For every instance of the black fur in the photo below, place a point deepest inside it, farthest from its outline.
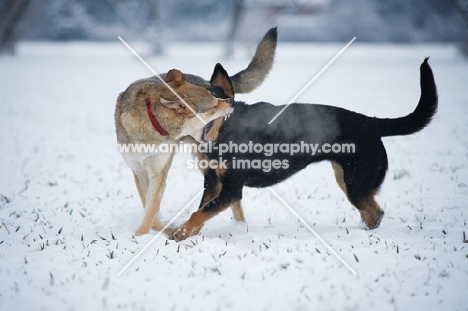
(221, 85)
(363, 171)
(422, 115)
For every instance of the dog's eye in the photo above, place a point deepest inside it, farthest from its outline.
(217, 95)
(212, 93)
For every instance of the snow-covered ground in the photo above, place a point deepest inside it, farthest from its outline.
(69, 206)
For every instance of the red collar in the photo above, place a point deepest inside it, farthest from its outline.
(153, 119)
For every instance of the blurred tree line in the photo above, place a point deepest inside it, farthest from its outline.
(158, 21)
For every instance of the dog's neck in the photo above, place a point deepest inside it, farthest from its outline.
(153, 119)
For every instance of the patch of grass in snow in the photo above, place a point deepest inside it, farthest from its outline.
(110, 255)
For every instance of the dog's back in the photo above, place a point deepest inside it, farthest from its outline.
(359, 173)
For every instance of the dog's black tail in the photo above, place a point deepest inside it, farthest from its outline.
(422, 115)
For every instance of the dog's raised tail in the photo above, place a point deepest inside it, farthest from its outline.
(247, 80)
(422, 115)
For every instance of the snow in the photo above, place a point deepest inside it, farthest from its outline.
(69, 207)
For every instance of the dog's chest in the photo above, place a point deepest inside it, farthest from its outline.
(144, 161)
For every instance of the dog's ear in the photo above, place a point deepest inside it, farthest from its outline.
(220, 78)
(175, 76)
(178, 106)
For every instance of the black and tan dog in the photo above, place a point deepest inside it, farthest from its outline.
(359, 174)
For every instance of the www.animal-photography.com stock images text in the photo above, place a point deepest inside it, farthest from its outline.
(233, 155)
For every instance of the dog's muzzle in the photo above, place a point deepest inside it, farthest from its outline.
(210, 124)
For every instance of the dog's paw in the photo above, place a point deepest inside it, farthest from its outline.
(178, 234)
(372, 220)
(183, 232)
(158, 225)
(142, 230)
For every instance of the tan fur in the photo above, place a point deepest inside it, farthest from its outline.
(237, 211)
(371, 213)
(141, 187)
(209, 195)
(133, 127)
(214, 130)
(236, 207)
(132, 120)
(339, 176)
(191, 226)
(220, 171)
(198, 219)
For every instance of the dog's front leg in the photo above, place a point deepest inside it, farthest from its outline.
(142, 185)
(212, 189)
(230, 193)
(157, 167)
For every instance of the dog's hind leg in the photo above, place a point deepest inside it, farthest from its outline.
(360, 179)
(371, 213)
(237, 211)
(339, 176)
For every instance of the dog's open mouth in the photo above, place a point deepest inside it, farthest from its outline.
(206, 130)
